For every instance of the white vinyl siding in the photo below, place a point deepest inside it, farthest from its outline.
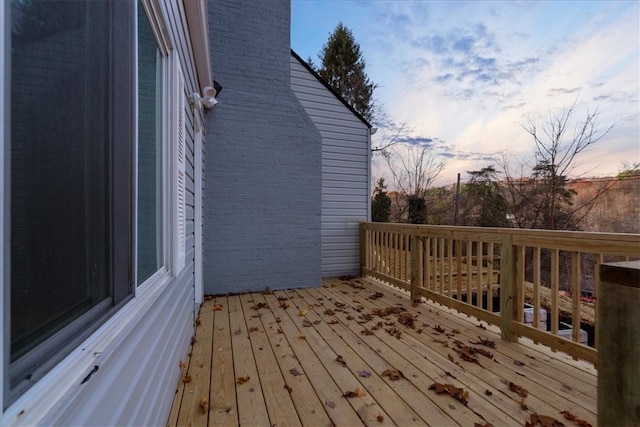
(345, 171)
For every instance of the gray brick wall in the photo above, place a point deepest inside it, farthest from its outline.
(263, 179)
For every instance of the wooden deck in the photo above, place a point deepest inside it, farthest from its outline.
(289, 358)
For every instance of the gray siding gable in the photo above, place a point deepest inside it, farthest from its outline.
(346, 159)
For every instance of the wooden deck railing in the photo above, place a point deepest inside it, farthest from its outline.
(467, 268)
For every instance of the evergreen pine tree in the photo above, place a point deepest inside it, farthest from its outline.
(381, 203)
(343, 68)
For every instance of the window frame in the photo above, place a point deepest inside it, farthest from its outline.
(173, 130)
(30, 368)
(61, 381)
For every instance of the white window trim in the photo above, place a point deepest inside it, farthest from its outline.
(198, 178)
(174, 152)
(59, 387)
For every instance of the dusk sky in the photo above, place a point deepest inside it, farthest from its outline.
(466, 76)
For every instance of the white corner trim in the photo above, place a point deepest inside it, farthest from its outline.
(198, 24)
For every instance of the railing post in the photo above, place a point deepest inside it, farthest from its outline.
(416, 250)
(619, 344)
(508, 289)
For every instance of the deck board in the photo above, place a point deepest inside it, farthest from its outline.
(252, 409)
(287, 344)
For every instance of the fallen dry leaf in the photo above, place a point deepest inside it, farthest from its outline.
(284, 305)
(302, 313)
(329, 312)
(544, 421)
(518, 363)
(484, 424)
(485, 342)
(522, 392)
(364, 374)
(302, 337)
(253, 329)
(572, 417)
(380, 418)
(358, 392)
(289, 389)
(341, 361)
(375, 296)
(457, 393)
(393, 374)
(295, 372)
(407, 319)
(242, 380)
(366, 331)
(217, 307)
(182, 365)
(186, 379)
(439, 329)
(204, 404)
(260, 305)
(198, 322)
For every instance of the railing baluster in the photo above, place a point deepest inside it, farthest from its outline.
(480, 261)
(575, 295)
(520, 288)
(449, 267)
(597, 259)
(490, 278)
(407, 257)
(555, 263)
(459, 269)
(415, 266)
(536, 287)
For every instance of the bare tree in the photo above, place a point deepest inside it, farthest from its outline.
(414, 169)
(540, 198)
(391, 133)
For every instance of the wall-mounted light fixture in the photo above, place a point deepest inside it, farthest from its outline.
(207, 100)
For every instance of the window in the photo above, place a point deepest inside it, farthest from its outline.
(95, 196)
(70, 191)
(150, 188)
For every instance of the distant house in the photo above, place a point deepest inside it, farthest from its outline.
(126, 197)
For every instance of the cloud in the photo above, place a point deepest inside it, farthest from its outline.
(555, 91)
(424, 141)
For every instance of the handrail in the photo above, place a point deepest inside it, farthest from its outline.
(465, 268)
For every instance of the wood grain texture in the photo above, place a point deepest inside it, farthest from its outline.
(313, 342)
